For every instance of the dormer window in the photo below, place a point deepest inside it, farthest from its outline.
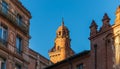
(4, 7)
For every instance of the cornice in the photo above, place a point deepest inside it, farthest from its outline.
(21, 7)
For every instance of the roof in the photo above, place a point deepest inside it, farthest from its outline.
(61, 28)
(70, 58)
(38, 54)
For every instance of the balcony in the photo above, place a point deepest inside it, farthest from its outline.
(13, 19)
(3, 42)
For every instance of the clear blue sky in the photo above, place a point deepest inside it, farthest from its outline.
(78, 14)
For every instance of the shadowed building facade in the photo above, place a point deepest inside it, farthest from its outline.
(14, 38)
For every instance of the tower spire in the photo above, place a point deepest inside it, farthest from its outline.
(62, 21)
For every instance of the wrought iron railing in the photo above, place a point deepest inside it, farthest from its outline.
(3, 42)
(13, 18)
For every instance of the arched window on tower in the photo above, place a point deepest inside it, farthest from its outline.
(58, 47)
(59, 33)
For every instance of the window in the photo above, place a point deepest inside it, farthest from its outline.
(59, 33)
(17, 66)
(4, 7)
(58, 47)
(2, 64)
(80, 66)
(19, 19)
(3, 33)
(18, 44)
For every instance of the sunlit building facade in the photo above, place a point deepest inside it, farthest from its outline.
(104, 50)
(62, 48)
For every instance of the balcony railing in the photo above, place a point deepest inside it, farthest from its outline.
(3, 42)
(13, 18)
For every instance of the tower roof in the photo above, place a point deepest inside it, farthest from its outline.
(62, 27)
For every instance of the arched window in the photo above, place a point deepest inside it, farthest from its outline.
(58, 48)
(59, 33)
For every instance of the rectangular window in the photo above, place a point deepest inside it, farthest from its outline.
(80, 66)
(19, 19)
(17, 66)
(3, 34)
(4, 7)
(2, 64)
(18, 44)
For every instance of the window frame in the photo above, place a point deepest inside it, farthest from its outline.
(79, 66)
(2, 63)
(19, 19)
(3, 29)
(5, 7)
(3, 33)
(19, 46)
(17, 66)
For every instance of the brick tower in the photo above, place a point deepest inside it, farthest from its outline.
(61, 49)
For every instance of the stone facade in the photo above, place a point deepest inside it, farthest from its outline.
(16, 54)
(61, 49)
(14, 38)
(37, 61)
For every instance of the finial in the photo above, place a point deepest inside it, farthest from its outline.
(93, 24)
(105, 17)
(93, 28)
(62, 21)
